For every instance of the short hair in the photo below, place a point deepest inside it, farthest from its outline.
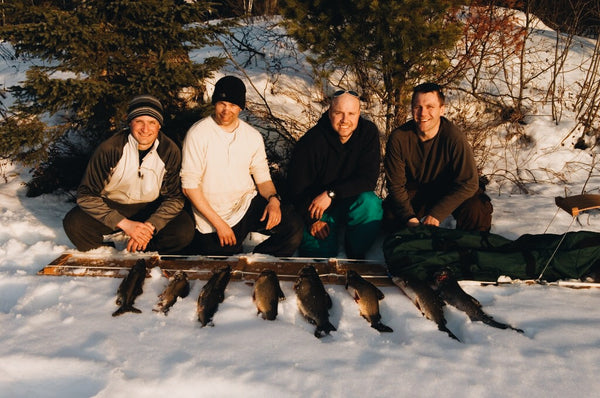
(429, 88)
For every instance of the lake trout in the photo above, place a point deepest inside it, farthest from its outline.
(267, 294)
(451, 292)
(212, 293)
(367, 297)
(313, 301)
(130, 288)
(178, 286)
(426, 300)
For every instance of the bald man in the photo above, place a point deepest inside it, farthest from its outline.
(331, 178)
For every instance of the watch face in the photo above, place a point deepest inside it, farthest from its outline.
(331, 194)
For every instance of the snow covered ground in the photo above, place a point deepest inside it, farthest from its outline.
(58, 338)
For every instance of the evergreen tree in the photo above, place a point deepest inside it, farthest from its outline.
(388, 45)
(92, 57)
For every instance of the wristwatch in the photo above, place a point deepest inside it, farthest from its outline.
(331, 194)
(275, 195)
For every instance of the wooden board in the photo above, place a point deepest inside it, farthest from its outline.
(574, 205)
(331, 270)
(247, 268)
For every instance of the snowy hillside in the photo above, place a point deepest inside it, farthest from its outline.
(58, 338)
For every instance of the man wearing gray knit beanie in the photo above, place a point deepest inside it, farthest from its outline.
(225, 175)
(132, 185)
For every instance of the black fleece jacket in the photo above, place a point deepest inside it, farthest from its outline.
(320, 162)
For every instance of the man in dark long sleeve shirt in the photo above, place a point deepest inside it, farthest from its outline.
(331, 178)
(430, 170)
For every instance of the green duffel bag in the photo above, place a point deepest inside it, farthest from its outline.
(421, 251)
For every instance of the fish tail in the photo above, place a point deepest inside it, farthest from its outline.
(449, 332)
(380, 327)
(270, 315)
(488, 320)
(124, 309)
(325, 328)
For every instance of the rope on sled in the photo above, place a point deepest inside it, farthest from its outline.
(539, 278)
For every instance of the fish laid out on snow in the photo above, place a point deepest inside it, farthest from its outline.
(426, 300)
(267, 294)
(451, 292)
(130, 288)
(178, 286)
(212, 294)
(313, 301)
(367, 297)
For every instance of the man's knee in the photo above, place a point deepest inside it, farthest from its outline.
(475, 214)
(80, 229)
(365, 208)
(176, 235)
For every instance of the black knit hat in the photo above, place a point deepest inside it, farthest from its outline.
(230, 89)
(145, 105)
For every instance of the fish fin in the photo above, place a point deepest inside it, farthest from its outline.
(474, 300)
(328, 327)
(380, 327)
(123, 309)
(270, 315)
(490, 321)
(380, 294)
(416, 303)
(328, 298)
(443, 328)
(186, 291)
(325, 328)
(118, 312)
(280, 294)
(160, 308)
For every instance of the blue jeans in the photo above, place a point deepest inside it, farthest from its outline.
(361, 215)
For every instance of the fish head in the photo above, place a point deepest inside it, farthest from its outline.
(308, 270)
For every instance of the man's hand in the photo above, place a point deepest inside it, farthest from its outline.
(428, 220)
(319, 229)
(319, 205)
(140, 233)
(134, 246)
(413, 222)
(225, 234)
(273, 212)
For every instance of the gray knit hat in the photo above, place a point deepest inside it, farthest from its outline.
(145, 105)
(230, 89)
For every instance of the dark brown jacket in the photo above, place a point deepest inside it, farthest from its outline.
(442, 171)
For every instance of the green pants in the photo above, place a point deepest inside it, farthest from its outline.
(361, 215)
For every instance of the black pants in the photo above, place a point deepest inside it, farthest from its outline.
(87, 233)
(283, 241)
(474, 214)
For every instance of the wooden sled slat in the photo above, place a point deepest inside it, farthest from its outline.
(245, 268)
(332, 270)
(577, 204)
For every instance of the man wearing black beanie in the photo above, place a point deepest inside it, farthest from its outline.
(226, 177)
(132, 185)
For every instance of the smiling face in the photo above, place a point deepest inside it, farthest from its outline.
(145, 131)
(344, 114)
(226, 115)
(427, 110)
